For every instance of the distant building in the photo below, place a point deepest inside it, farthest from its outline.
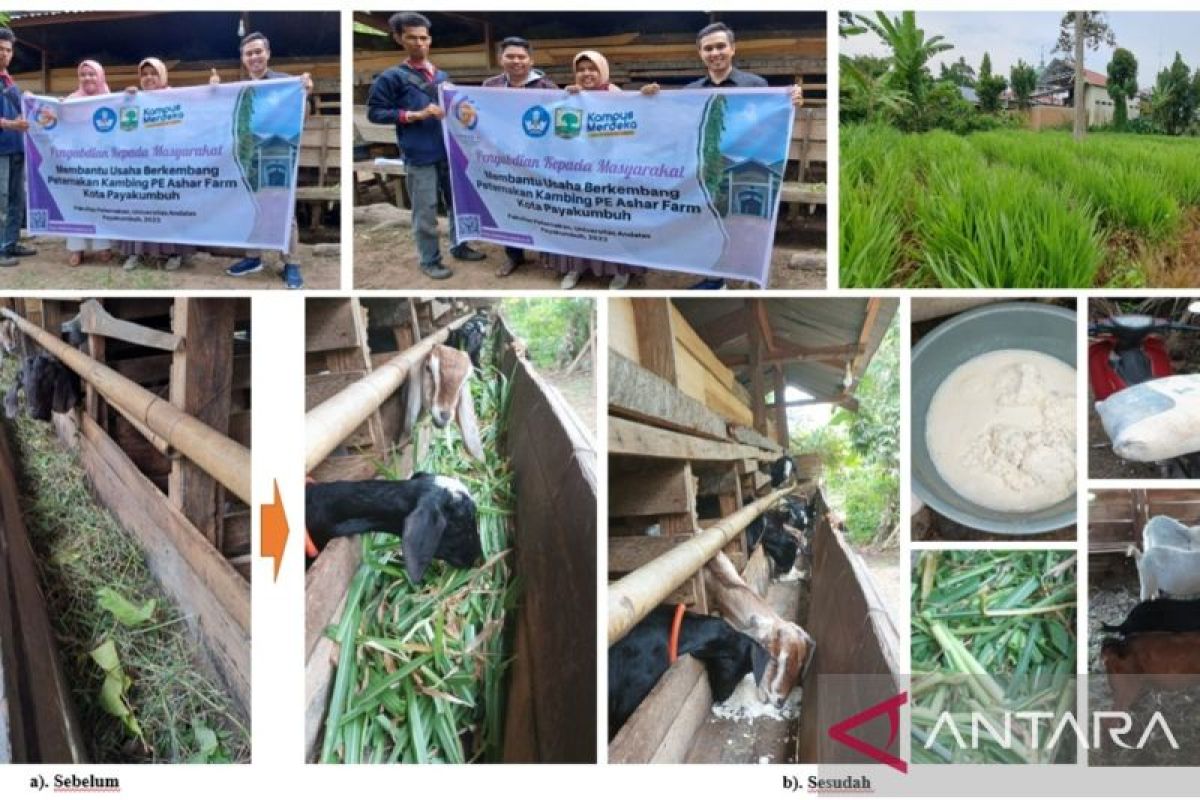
(1056, 87)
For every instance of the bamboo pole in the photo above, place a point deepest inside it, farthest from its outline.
(215, 453)
(634, 596)
(328, 425)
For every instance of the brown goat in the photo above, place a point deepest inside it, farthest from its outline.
(788, 646)
(1146, 661)
(438, 384)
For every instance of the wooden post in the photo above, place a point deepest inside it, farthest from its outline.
(781, 423)
(758, 403)
(201, 376)
(656, 337)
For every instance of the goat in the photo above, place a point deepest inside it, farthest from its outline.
(769, 528)
(1150, 661)
(9, 337)
(1159, 615)
(433, 514)
(48, 386)
(1164, 531)
(789, 647)
(781, 470)
(639, 660)
(440, 384)
(1167, 569)
(470, 335)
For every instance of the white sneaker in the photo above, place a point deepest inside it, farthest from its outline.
(570, 280)
(619, 281)
(132, 263)
(173, 263)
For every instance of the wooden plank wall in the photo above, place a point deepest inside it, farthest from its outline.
(551, 707)
(1116, 517)
(848, 619)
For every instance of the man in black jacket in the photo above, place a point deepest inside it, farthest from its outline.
(407, 96)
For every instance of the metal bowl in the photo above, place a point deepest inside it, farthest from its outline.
(1004, 326)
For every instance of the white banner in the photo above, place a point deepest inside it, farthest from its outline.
(205, 165)
(686, 180)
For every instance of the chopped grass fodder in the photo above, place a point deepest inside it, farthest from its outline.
(420, 673)
(993, 657)
(130, 659)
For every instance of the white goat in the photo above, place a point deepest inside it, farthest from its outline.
(1167, 569)
(1164, 531)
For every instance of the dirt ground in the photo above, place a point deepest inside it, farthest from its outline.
(579, 389)
(889, 575)
(48, 270)
(385, 257)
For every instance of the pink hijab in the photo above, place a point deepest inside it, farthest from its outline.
(95, 65)
(601, 66)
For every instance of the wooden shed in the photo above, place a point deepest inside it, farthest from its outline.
(689, 427)
(352, 344)
(163, 436)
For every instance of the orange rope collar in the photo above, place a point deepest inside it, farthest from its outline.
(673, 641)
(310, 549)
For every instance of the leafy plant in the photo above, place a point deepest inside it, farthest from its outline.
(125, 612)
(1122, 84)
(989, 87)
(115, 687)
(911, 52)
(1023, 79)
(553, 329)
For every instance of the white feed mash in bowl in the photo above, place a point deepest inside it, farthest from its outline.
(1000, 430)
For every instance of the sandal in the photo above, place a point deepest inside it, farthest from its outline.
(75, 259)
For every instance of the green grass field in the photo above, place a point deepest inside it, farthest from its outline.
(1017, 209)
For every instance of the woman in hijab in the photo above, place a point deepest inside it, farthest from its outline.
(152, 75)
(591, 75)
(91, 84)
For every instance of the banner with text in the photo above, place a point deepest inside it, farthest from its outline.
(685, 180)
(205, 165)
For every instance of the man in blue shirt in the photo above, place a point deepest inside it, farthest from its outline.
(407, 96)
(12, 158)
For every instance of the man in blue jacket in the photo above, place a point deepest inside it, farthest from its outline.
(407, 96)
(12, 158)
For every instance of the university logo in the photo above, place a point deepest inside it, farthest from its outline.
(536, 122)
(46, 118)
(129, 118)
(568, 122)
(466, 113)
(104, 120)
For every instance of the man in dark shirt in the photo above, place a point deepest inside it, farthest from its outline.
(516, 59)
(716, 46)
(12, 158)
(407, 96)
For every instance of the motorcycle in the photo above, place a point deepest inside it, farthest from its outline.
(1127, 349)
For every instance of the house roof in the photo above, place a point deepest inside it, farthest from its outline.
(1095, 78)
(824, 333)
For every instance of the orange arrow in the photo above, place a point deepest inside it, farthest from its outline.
(273, 529)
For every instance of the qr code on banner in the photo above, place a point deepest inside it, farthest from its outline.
(468, 225)
(38, 220)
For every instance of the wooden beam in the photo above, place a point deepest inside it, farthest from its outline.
(641, 738)
(864, 335)
(636, 392)
(758, 389)
(788, 352)
(722, 329)
(635, 439)
(764, 325)
(656, 339)
(95, 320)
(781, 424)
(201, 374)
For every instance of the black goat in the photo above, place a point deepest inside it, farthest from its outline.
(779, 545)
(1166, 615)
(639, 660)
(781, 470)
(433, 514)
(469, 337)
(48, 386)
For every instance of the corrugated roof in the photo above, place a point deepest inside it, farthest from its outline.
(797, 322)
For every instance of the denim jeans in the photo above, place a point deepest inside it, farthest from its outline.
(426, 184)
(12, 198)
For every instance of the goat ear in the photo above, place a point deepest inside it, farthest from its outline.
(468, 424)
(415, 390)
(422, 534)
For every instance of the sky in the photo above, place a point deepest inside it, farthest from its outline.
(1007, 36)
(743, 121)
